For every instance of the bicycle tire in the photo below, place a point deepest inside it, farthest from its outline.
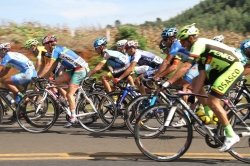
(120, 122)
(106, 112)
(38, 122)
(148, 145)
(134, 109)
(241, 150)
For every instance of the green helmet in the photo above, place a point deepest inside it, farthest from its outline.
(31, 42)
(187, 31)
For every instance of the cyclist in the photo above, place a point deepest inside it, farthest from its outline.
(147, 62)
(175, 52)
(225, 70)
(20, 81)
(77, 70)
(117, 60)
(42, 57)
(120, 47)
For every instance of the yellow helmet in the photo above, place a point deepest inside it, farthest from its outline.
(187, 31)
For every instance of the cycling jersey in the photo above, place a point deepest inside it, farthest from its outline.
(41, 52)
(178, 51)
(21, 63)
(18, 61)
(115, 59)
(225, 66)
(68, 58)
(146, 58)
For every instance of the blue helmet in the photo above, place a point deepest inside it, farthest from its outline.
(100, 41)
(169, 32)
(245, 45)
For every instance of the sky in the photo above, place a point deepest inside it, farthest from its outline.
(90, 13)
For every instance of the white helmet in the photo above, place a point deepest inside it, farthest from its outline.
(219, 38)
(121, 43)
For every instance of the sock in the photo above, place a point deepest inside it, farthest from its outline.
(208, 112)
(229, 131)
(72, 111)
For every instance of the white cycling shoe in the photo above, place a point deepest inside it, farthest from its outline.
(229, 142)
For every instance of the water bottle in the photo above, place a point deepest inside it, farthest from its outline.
(11, 100)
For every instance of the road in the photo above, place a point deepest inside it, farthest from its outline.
(76, 146)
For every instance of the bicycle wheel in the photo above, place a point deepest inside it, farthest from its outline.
(168, 143)
(134, 109)
(35, 116)
(116, 95)
(105, 116)
(241, 99)
(241, 150)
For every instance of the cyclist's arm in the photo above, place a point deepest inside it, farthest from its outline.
(49, 67)
(180, 72)
(247, 69)
(171, 68)
(38, 63)
(4, 70)
(128, 71)
(97, 68)
(163, 66)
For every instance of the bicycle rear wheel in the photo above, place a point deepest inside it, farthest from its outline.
(105, 116)
(241, 150)
(165, 144)
(36, 117)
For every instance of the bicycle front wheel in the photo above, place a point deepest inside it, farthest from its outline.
(168, 143)
(35, 116)
(100, 109)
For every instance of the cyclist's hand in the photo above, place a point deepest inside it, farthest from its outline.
(116, 80)
(156, 78)
(51, 79)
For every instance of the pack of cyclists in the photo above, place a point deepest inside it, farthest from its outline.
(192, 61)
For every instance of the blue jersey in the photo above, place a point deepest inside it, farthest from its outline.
(18, 61)
(146, 58)
(177, 50)
(68, 58)
(241, 56)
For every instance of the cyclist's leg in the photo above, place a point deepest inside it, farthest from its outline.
(78, 75)
(140, 70)
(222, 84)
(105, 81)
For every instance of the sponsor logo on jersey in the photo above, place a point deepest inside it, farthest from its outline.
(222, 55)
(229, 80)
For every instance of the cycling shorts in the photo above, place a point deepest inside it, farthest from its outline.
(191, 73)
(75, 76)
(117, 72)
(223, 81)
(21, 80)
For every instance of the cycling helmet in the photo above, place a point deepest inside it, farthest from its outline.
(6, 46)
(100, 41)
(245, 45)
(187, 31)
(131, 43)
(169, 32)
(121, 43)
(50, 39)
(31, 42)
(162, 46)
(219, 38)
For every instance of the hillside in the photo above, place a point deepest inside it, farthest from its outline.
(230, 15)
